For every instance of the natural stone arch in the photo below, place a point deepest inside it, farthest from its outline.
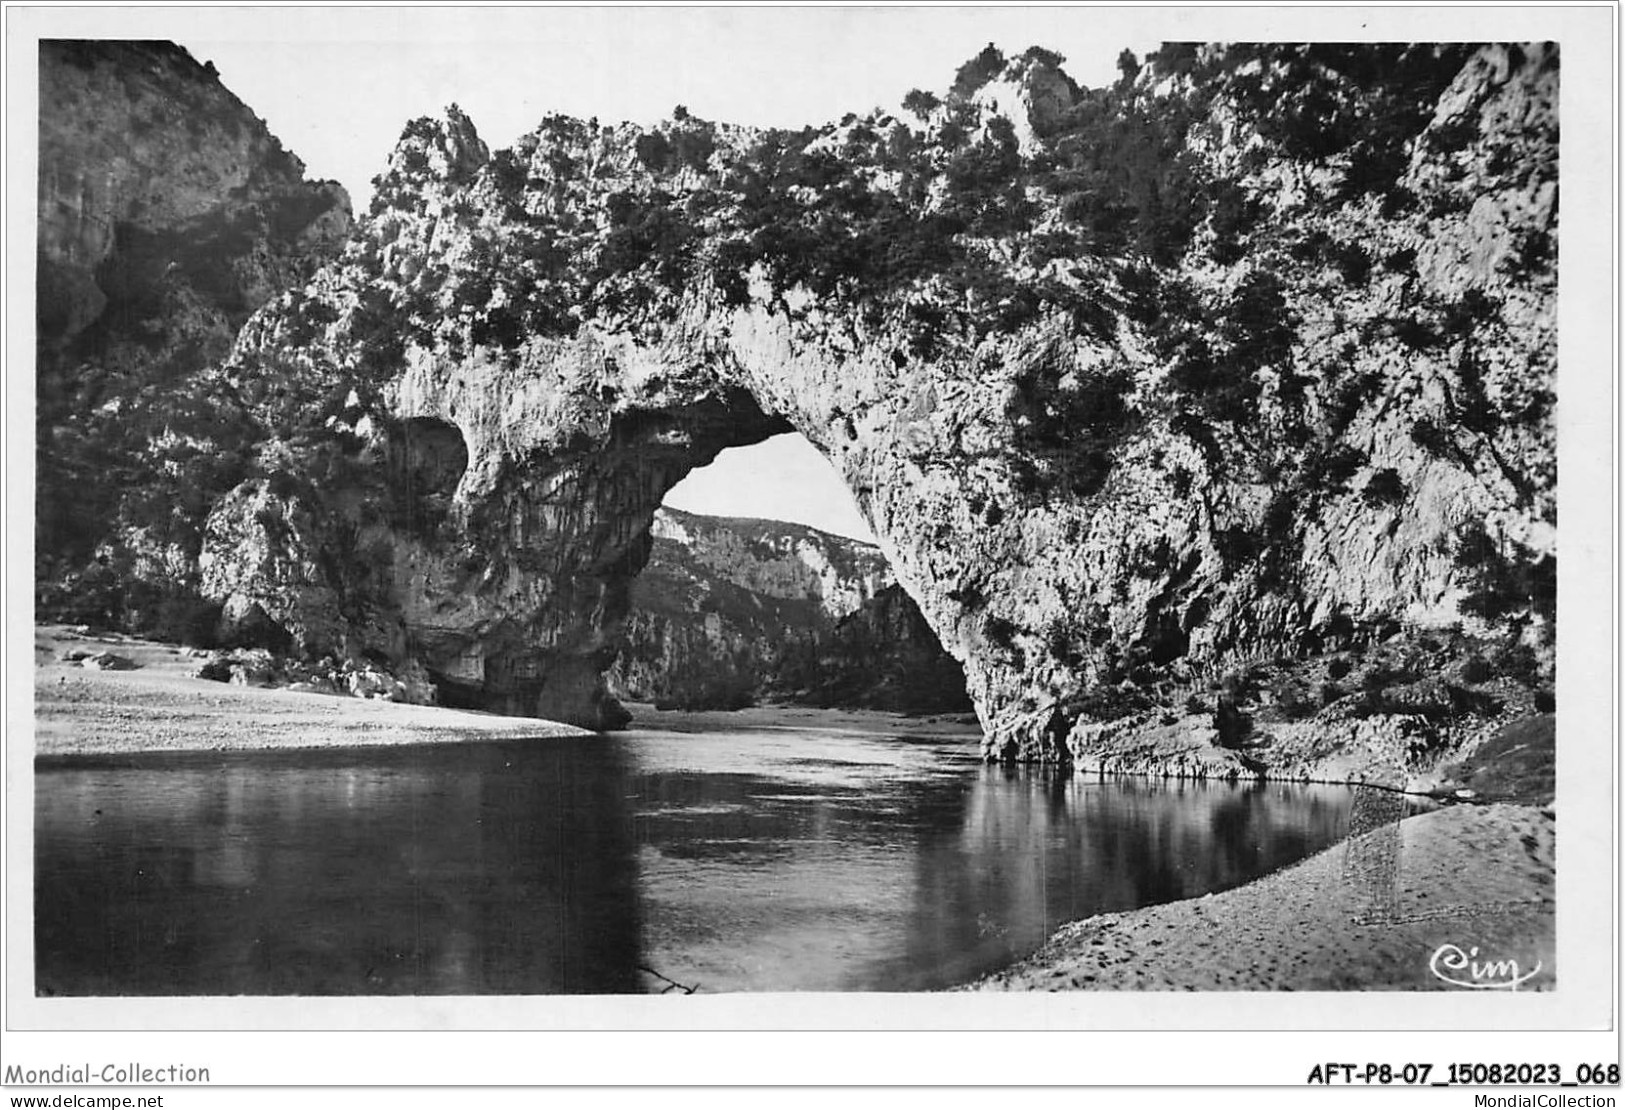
(1097, 464)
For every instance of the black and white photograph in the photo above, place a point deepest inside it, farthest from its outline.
(592, 517)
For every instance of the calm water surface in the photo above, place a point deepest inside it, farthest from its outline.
(760, 858)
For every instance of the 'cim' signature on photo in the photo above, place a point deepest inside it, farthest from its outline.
(1449, 963)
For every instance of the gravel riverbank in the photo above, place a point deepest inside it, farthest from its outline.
(152, 701)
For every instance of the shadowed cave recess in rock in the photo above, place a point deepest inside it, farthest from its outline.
(1165, 400)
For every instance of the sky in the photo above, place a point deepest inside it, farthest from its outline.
(338, 86)
(783, 478)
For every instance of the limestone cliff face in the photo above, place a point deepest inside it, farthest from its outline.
(1248, 354)
(167, 214)
(778, 559)
(729, 611)
(884, 655)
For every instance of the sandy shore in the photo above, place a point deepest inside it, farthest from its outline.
(160, 706)
(1373, 913)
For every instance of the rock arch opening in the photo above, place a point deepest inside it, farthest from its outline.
(782, 478)
(764, 584)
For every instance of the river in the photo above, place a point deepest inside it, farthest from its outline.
(812, 854)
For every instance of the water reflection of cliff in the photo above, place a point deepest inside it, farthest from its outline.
(481, 869)
(1037, 849)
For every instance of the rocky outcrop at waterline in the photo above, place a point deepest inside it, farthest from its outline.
(1397, 713)
(1248, 355)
